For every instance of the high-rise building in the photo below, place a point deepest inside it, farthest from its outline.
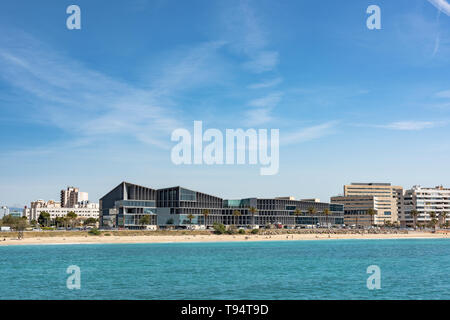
(72, 196)
(426, 201)
(358, 198)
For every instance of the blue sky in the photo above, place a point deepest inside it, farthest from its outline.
(97, 106)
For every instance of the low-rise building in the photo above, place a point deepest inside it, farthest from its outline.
(4, 211)
(356, 210)
(83, 210)
(127, 204)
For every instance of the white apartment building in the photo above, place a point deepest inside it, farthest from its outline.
(4, 211)
(83, 210)
(425, 201)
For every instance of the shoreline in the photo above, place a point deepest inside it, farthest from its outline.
(205, 238)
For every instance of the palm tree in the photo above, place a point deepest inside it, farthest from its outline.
(434, 222)
(443, 215)
(253, 211)
(190, 217)
(66, 222)
(371, 212)
(206, 213)
(236, 213)
(312, 211)
(433, 217)
(326, 212)
(414, 214)
(297, 213)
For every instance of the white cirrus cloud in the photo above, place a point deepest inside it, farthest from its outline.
(266, 84)
(442, 5)
(262, 61)
(411, 125)
(308, 133)
(246, 35)
(90, 104)
(261, 109)
(443, 94)
(270, 100)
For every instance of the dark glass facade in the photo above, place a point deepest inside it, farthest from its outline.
(179, 206)
(126, 205)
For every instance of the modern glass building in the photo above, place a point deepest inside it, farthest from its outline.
(182, 207)
(125, 205)
(260, 212)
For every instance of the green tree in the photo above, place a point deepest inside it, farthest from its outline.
(236, 215)
(145, 220)
(219, 228)
(415, 214)
(90, 221)
(20, 225)
(312, 211)
(372, 212)
(16, 223)
(44, 218)
(253, 211)
(443, 217)
(433, 221)
(190, 217)
(206, 213)
(71, 216)
(327, 213)
(9, 220)
(297, 213)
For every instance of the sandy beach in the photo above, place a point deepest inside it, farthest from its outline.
(186, 238)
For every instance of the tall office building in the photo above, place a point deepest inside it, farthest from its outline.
(72, 196)
(425, 201)
(358, 198)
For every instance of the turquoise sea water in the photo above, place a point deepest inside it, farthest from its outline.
(335, 269)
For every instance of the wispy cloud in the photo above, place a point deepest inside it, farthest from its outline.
(443, 94)
(268, 101)
(89, 104)
(442, 5)
(262, 61)
(411, 125)
(266, 84)
(309, 133)
(260, 113)
(247, 36)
